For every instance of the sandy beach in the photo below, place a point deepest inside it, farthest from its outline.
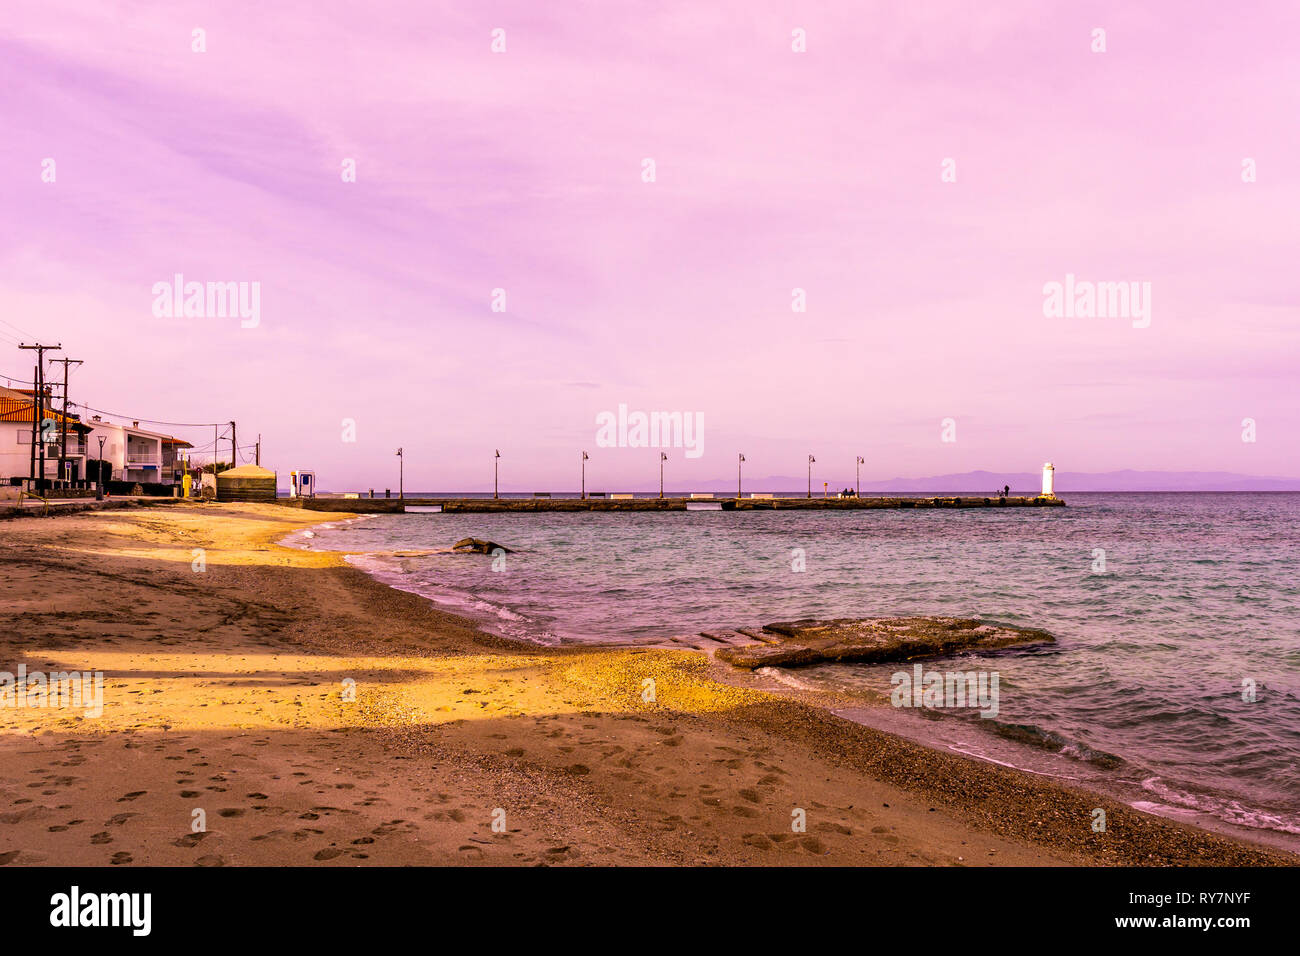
(226, 689)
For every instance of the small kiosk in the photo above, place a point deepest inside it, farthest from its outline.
(302, 484)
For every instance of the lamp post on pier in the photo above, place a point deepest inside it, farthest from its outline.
(496, 471)
(740, 461)
(585, 456)
(857, 488)
(811, 462)
(662, 458)
(401, 474)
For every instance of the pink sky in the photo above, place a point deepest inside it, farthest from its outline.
(775, 170)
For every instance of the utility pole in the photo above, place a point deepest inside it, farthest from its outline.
(38, 409)
(63, 437)
(31, 465)
(258, 460)
(234, 448)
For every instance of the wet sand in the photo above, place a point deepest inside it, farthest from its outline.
(226, 693)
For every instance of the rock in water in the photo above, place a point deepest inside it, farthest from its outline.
(875, 640)
(479, 546)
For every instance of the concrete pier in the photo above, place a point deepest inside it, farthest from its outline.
(531, 505)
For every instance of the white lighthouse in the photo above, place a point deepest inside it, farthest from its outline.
(1049, 480)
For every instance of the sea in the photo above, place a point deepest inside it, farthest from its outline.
(1173, 683)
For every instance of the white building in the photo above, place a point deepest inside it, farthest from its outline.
(16, 411)
(134, 453)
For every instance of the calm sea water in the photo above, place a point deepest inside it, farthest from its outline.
(1165, 607)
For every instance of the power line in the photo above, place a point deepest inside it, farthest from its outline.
(150, 421)
(132, 418)
(217, 436)
(23, 332)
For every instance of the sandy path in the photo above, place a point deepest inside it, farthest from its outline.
(225, 693)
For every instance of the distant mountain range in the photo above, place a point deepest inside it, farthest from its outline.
(1024, 482)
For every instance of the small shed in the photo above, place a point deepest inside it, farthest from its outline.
(246, 483)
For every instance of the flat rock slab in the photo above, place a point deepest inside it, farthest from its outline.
(479, 546)
(798, 643)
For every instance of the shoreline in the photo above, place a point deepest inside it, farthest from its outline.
(1144, 791)
(451, 724)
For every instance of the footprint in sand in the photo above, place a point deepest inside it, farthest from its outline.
(101, 837)
(120, 858)
(189, 840)
(833, 828)
(132, 795)
(328, 853)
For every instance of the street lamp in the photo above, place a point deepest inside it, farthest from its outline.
(857, 488)
(401, 468)
(99, 485)
(811, 461)
(738, 463)
(662, 458)
(585, 456)
(496, 471)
